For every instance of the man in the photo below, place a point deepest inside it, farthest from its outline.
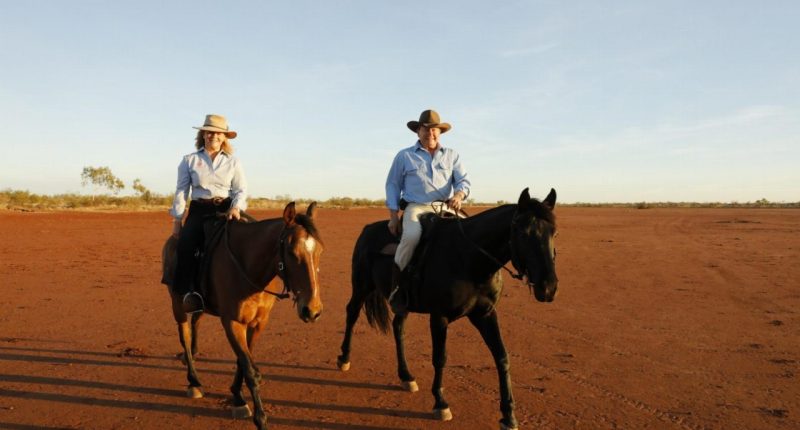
(421, 174)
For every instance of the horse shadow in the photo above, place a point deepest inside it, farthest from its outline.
(103, 358)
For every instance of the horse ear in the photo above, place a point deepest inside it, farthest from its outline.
(550, 200)
(289, 213)
(310, 210)
(524, 199)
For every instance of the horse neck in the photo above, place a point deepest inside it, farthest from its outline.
(490, 230)
(258, 245)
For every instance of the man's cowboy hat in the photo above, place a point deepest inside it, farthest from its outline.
(217, 123)
(430, 119)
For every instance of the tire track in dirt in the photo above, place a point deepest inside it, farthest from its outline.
(576, 379)
(585, 382)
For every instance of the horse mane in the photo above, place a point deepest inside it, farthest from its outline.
(539, 209)
(307, 223)
(542, 211)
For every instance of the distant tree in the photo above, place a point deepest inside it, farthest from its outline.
(101, 177)
(142, 191)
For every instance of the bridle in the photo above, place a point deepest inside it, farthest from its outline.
(282, 269)
(518, 275)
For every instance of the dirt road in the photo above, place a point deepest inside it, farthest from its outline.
(665, 318)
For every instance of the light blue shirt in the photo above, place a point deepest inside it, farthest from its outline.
(224, 177)
(418, 177)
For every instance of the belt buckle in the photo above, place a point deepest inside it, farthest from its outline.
(216, 201)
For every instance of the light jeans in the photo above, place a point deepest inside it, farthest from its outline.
(412, 231)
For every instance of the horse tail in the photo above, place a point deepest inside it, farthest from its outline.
(169, 260)
(363, 278)
(377, 310)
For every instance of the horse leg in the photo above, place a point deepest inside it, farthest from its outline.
(195, 327)
(240, 408)
(237, 337)
(489, 329)
(353, 312)
(441, 410)
(186, 338)
(398, 328)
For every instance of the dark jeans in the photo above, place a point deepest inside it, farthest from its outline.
(191, 240)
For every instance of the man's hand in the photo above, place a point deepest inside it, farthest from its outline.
(233, 213)
(454, 202)
(394, 223)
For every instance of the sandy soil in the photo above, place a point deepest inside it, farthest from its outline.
(666, 318)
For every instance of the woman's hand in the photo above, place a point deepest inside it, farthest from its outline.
(176, 228)
(233, 213)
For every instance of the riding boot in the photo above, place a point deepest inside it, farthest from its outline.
(192, 301)
(398, 299)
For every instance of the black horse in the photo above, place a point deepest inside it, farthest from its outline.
(458, 275)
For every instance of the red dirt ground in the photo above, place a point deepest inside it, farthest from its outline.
(665, 318)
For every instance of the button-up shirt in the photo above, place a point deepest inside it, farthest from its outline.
(418, 177)
(206, 179)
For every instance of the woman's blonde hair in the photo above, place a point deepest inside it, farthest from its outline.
(200, 143)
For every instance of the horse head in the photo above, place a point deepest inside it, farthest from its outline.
(301, 248)
(533, 252)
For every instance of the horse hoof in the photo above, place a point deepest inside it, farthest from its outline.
(442, 414)
(343, 366)
(194, 393)
(241, 412)
(505, 427)
(410, 386)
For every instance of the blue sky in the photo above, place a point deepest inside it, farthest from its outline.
(604, 101)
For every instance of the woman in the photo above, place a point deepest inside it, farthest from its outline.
(215, 179)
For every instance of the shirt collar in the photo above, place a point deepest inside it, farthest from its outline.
(221, 151)
(419, 147)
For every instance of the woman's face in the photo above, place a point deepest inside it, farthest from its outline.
(213, 140)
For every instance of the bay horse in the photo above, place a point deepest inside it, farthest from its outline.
(459, 276)
(240, 286)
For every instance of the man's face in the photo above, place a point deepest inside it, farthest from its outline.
(428, 137)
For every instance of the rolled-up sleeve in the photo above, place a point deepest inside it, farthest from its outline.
(460, 178)
(181, 190)
(394, 183)
(239, 187)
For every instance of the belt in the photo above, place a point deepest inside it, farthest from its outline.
(216, 201)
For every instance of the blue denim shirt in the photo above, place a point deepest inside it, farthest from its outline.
(418, 177)
(224, 177)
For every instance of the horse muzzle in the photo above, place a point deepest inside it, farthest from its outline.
(309, 313)
(544, 291)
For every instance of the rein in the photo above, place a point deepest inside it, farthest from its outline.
(281, 266)
(439, 212)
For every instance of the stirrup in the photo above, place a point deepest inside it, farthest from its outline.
(396, 301)
(193, 303)
(392, 294)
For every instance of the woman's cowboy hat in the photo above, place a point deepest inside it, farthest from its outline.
(217, 123)
(430, 119)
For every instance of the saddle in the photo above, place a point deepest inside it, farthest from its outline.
(213, 230)
(430, 223)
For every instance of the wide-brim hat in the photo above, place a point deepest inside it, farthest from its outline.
(217, 123)
(430, 119)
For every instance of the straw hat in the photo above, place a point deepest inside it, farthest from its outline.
(430, 119)
(217, 123)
